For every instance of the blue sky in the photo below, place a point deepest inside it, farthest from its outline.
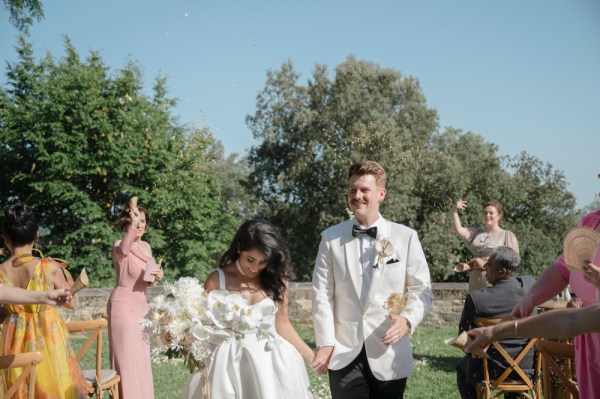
(523, 74)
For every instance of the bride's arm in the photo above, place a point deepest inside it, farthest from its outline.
(288, 332)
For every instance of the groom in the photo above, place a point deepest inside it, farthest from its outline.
(367, 352)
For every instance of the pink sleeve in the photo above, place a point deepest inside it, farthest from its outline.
(124, 247)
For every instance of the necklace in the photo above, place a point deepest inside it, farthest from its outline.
(239, 268)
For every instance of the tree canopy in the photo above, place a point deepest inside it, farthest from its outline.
(78, 141)
(309, 134)
(23, 12)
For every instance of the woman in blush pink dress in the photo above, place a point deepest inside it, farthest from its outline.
(127, 305)
(549, 284)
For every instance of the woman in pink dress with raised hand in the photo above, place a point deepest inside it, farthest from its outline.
(549, 284)
(127, 305)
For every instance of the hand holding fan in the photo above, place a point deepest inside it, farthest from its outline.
(579, 248)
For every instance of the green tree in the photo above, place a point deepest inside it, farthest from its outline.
(78, 142)
(23, 12)
(310, 134)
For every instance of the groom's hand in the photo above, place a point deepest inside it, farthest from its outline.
(397, 331)
(321, 360)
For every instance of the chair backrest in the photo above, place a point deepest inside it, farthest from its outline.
(97, 380)
(28, 361)
(96, 326)
(525, 383)
(557, 359)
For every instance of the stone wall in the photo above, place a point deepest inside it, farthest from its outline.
(445, 311)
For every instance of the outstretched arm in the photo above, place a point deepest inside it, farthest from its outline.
(462, 232)
(549, 284)
(17, 296)
(562, 323)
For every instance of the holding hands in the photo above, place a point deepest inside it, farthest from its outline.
(321, 360)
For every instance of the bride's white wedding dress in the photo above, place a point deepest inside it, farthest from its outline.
(254, 367)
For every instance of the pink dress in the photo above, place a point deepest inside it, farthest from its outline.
(127, 305)
(587, 346)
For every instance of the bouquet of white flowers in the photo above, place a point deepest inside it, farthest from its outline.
(192, 322)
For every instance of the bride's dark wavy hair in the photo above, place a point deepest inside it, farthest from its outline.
(261, 234)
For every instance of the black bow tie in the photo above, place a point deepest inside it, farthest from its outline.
(371, 231)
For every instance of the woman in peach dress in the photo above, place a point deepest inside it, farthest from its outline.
(127, 305)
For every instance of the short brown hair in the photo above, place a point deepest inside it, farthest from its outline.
(363, 168)
(495, 205)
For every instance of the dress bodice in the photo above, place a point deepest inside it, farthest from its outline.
(267, 307)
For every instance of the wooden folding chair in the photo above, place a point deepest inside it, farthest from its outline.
(525, 386)
(28, 361)
(557, 362)
(97, 380)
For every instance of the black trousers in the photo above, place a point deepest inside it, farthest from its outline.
(356, 381)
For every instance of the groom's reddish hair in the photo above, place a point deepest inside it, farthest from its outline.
(363, 168)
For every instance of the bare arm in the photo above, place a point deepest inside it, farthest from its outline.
(562, 323)
(288, 332)
(462, 232)
(17, 296)
(60, 282)
(549, 284)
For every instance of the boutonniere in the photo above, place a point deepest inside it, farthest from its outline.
(384, 248)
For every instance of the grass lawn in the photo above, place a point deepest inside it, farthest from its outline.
(434, 375)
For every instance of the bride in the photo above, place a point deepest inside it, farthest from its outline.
(257, 265)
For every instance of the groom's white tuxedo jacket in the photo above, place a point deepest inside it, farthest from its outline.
(343, 320)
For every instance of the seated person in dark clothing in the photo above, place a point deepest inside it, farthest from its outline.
(507, 288)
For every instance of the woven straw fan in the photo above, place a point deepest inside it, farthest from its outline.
(579, 248)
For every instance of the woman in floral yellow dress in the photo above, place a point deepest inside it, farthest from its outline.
(36, 328)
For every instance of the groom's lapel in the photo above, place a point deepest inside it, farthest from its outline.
(352, 254)
(377, 274)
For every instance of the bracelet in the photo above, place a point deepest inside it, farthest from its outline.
(516, 324)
